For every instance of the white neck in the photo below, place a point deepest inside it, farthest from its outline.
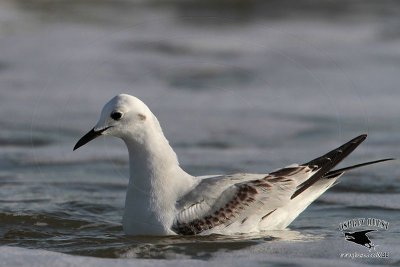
(156, 182)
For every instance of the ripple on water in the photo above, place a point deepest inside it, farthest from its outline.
(59, 231)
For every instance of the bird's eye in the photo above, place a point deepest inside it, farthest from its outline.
(116, 115)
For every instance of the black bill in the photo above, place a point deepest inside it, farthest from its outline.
(92, 134)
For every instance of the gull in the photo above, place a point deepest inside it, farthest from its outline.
(163, 199)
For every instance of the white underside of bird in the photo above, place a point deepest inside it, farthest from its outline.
(163, 199)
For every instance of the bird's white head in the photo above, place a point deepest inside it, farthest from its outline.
(123, 116)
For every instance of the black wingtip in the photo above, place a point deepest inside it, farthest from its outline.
(338, 154)
(356, 141)
(360, 138)
(337, 172)
(328, 161)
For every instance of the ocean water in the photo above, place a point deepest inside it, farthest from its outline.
(237, 87)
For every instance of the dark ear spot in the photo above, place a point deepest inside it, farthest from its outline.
(142, 117)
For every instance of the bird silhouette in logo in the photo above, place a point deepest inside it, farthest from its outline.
(360, 238)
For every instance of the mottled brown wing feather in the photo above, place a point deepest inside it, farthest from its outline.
(233, 204)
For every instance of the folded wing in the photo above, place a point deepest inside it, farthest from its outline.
(231, 203)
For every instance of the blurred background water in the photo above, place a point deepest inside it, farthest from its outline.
(237, 86)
